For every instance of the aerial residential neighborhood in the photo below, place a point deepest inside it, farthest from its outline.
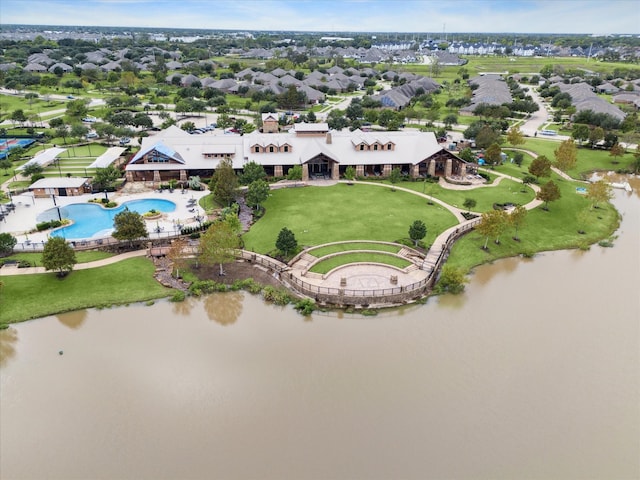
(340, 239)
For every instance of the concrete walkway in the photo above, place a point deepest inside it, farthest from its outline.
(7, 270)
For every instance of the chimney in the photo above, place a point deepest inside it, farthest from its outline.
(328, 138)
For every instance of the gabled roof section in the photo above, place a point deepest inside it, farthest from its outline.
(161, 148)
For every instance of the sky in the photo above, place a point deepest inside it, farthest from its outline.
(490, 16)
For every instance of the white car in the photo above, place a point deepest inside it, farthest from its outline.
(92, 135)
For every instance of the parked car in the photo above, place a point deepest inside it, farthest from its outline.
(91, 135)
(124, 140)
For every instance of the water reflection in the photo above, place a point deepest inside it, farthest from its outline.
(223, 308)
(8, 339)
(73, 320)
(184, 308)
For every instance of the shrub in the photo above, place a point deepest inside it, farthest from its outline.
(305, 306)
(278, 296)
(248, 284)
(178, 296)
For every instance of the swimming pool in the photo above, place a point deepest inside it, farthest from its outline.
(92, 220)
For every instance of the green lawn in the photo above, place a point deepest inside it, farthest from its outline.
(82, 257)
(542, 231)
(325, 266)
(507, 191)
(318, 215)
(588, 159)
(345, 247)
(31, 296)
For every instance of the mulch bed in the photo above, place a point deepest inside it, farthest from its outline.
(239, 271)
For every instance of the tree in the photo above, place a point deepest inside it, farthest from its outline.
(492, 224)
(515, 136)
(469, 203)
(549, 192)
(105, 177)
(188, 126)
(580, 132)
(32, 169)
(394, 177)
(451, 280)
(616, 151)
(516, 219)
(5, 164)
(487, 136)
(224, 183)
(295, 173)
(176, 254)
(58, 255)
(540, 167)
(493, 154)
(566, 155)
(417, 231)
(7, 242)
(257, 193)
(129, 225)
(286, 242)
(251, 172)
(450, 120)
(350, 173)
(595, 135)
(599, 191)
(518, 158)
(217, 245)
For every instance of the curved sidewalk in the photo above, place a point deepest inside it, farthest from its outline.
(14, 270)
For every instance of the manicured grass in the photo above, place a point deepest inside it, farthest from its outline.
(325, 266)
(345, 247)
(507, 191)
(542, 231)
(31, 296)
(588, 159)
(318, 215)
(82, 257)
(208, 203)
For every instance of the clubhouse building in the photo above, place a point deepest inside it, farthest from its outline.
(323, 154)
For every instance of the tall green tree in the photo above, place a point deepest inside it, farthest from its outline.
(105, 177)
(549, 192)
(257, 193)
(286, 241)
(251, 172)
(59, 256)
(394, 177)
(417, 231)
(130, 226)
(224, 183)
(7, 242)
(493, 154)
(217, 245)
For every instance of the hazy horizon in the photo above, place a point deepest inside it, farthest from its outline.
(586, 17)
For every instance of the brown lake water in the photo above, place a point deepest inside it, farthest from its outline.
(532, 373)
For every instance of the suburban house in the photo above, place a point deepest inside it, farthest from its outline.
(60, 186)
(322, 153)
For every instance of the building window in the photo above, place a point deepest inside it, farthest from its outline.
(361, 146)
(388, 146)
(256, 149)
(375, 147)
(286, 148)
(270, 149)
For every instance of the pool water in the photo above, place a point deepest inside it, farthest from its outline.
(92, 220)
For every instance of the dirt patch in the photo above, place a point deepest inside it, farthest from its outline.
(239, 271)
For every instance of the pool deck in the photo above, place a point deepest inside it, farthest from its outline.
(27, 208)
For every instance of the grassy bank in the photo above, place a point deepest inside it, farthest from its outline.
(555, 229)
(24, 297)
